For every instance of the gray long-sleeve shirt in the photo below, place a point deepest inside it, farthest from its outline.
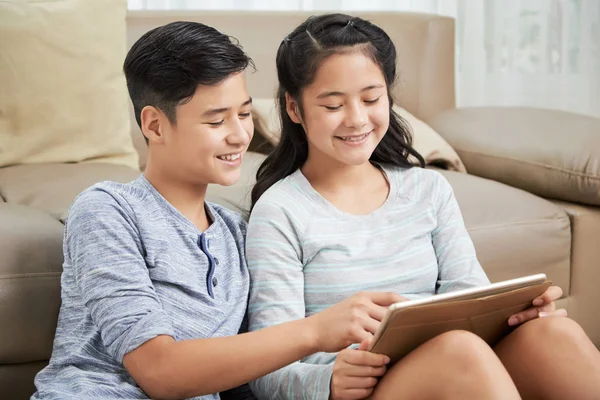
(136, 268)
(305, 255)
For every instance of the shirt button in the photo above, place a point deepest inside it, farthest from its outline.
(216, 261)
(214, 281)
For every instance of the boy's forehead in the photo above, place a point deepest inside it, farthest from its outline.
(228, 93)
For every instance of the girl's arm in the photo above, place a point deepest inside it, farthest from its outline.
(274, 253)
(457, 260)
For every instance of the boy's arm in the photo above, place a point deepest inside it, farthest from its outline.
(165, 368)
(457, 259)
(106, 254)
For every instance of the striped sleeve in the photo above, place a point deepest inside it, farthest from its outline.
(454, 249)
(274, 257)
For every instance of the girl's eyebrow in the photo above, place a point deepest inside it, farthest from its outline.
(337, 93)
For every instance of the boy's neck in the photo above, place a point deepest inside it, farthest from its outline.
(186, 197)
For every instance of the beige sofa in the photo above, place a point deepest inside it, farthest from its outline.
(515, 158)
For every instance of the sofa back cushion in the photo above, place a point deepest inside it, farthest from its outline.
(64, 97)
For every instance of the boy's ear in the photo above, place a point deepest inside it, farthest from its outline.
(291, 107)
(151, 122)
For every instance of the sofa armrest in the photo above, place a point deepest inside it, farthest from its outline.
(552, 154)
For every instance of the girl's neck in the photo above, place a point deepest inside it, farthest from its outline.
(328, 175)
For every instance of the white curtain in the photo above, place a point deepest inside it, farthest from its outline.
(539, 53)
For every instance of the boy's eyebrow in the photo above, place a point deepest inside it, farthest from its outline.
(215, 111)
(335, 93)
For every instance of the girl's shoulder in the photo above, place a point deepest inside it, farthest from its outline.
(288, 196)
(418, 184)
(279, 192)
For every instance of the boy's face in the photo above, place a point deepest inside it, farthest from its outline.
(211, 134)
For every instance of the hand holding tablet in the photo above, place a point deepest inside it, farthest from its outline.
(483, 310)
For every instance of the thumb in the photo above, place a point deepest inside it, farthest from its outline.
(364, 345)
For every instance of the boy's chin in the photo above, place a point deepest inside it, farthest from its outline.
(227, 179)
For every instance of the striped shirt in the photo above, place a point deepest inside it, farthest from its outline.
(305, 255)
(136, 268)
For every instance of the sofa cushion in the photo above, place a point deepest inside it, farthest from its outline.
(16, 380)
(30, 267)
(584, 296)
(551, 153)
(64, 97)
(434, 149)
(515, 233)
(53, 187)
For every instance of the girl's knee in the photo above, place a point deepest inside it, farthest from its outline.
(534, 337)
(463, 348)
(550, 329)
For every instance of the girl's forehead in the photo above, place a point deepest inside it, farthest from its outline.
(348, 72)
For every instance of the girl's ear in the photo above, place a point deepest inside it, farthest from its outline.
(291, 107)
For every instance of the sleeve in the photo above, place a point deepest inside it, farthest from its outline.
(454, 249)
(103, 245)
(274, 257)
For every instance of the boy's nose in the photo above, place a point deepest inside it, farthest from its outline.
(239, 135)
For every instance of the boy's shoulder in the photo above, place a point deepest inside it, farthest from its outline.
(106, 197)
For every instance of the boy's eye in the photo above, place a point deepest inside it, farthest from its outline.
(216, 123)
(333, 108)
(372, 101)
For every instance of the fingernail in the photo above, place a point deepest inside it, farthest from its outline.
(538, 302)
(512, 321)
(386, 360)
(542, 314)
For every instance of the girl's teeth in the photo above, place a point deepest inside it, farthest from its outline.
(355, 139)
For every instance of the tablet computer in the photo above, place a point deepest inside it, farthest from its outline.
(482, 310)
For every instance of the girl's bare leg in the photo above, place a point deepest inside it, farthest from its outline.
(552, 358)
(453, 365)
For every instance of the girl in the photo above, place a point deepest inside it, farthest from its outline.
(337, 209)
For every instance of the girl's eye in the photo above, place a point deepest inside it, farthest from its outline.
(372, 101)
(216, 123)
(333, 108)
(245, 115)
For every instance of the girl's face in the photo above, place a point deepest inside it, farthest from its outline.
(346, 110)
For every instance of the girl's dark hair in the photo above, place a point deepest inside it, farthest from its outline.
(165, 66)
(298, 58)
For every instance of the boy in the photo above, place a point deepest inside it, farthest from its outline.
(155, 283)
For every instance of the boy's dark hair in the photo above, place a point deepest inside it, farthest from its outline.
(299, 57)
(165, 66)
